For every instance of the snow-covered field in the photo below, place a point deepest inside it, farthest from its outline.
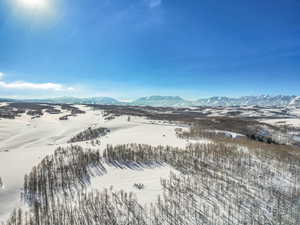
(289, 122)
(124, 179)
(250, 112)
(25, 141)
(2, 104)
(295, 123)
(295, 111)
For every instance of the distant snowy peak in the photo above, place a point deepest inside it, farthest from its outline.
(156, 100)
(262, 100)
(102, 100)
(74, 100)
(295, 103)
(161, 98)
(176, 101)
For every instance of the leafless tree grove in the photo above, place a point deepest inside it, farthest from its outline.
(217, 184)
(89, 134)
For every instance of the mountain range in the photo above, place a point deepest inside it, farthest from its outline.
(176, 101)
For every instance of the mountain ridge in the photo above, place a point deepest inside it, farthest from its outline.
(177, 101)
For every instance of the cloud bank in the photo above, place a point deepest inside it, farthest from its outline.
(34, 86)
(22, 85)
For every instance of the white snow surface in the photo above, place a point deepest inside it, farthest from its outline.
(295, 122)
(2, 104)
(25, 141)
(124, 179)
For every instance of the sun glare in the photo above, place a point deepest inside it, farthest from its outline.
(35, 4)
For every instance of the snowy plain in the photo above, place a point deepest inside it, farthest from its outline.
(24, 142)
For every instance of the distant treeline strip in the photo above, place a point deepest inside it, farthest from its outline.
(89, 134)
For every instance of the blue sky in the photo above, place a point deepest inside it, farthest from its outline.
(132, 48)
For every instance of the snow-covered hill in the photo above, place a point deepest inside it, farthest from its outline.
(295, 103)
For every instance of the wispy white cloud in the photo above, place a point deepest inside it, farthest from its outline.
(34, 86)
(153, 3)
(22, 85)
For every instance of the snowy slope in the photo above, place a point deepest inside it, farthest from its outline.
(295, 103)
